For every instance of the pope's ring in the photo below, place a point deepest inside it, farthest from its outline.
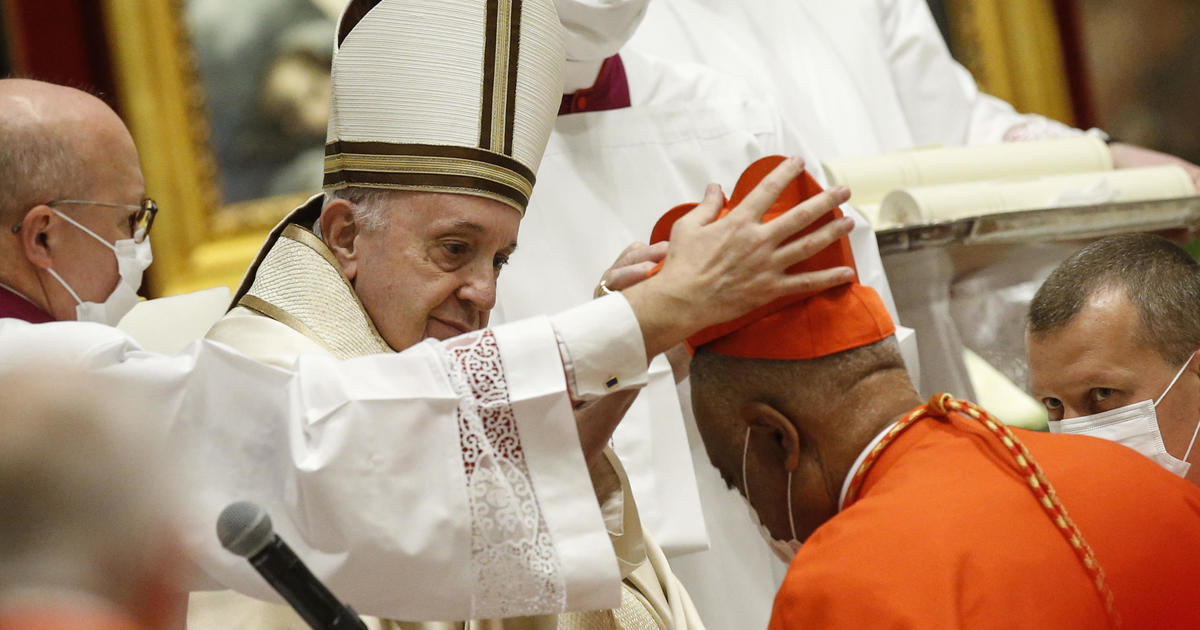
(602, 289)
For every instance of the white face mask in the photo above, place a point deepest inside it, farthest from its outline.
(597, 29)
(784, 549)
(1135, 426)
(132, 260)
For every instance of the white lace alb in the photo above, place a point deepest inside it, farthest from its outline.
(513, 557)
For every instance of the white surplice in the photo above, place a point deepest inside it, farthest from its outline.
(317, 443)
(856, 77)
(860, 78)
(605, 179)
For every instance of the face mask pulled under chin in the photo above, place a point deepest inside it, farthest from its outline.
(783, 549)
(597, 29)
(1135, 426)
(132, 261)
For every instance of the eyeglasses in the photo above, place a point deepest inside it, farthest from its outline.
(139, 222)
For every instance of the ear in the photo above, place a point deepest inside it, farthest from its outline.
(34, 234)
(761, 414)
(340, 231)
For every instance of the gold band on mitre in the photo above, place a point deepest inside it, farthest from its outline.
(430, 168)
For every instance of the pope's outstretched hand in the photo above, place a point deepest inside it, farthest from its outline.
(716, 271)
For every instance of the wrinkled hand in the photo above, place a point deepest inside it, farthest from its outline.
(632, 266)
(716, 271)
(1130, 156)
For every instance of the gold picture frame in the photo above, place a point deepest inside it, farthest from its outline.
(1014, 50)
(199, 241)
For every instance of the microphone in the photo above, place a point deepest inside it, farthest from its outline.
(245, 529)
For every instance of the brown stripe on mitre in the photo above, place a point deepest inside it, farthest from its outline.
(514, 56)
(491, 26)
(500, 62)
(383, 149)
(431, 168)
(421, 182)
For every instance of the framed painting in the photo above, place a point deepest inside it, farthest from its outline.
(227, 101)
(1014, 49)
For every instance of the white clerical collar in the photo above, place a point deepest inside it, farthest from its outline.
(862, 456)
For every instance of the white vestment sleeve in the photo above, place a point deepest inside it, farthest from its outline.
(940, 99)
(443, 482)
(606, 349)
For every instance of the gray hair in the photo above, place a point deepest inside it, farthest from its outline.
(86, 501)
(1159, 278)
(368, 204)
(37, 164)
(822, 381)
(721, 384)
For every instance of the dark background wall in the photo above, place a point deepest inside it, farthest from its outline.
(61, 41)
(1144, 62)
(5, 67)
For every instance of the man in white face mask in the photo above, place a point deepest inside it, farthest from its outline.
(78, 237)
(1112, 339)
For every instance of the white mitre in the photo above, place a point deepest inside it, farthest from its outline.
(455, 96)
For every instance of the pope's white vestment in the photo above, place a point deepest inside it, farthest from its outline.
(360, 463)
(296, 301)
(605, 178)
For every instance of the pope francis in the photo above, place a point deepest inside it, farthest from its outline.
(440, 112)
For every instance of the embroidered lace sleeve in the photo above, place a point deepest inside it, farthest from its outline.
(514, 562)
(443, 482)
(516, 530)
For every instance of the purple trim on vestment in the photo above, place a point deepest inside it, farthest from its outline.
(611, 91)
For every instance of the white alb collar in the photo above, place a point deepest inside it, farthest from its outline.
(858, 462)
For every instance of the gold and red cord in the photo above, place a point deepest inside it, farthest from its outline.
(940, 405)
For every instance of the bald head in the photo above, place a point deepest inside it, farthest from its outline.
(58, 143)
(55, 142)
(764, 422)
(811, 387)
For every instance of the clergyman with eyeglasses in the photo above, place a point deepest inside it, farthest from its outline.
(79, 236)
